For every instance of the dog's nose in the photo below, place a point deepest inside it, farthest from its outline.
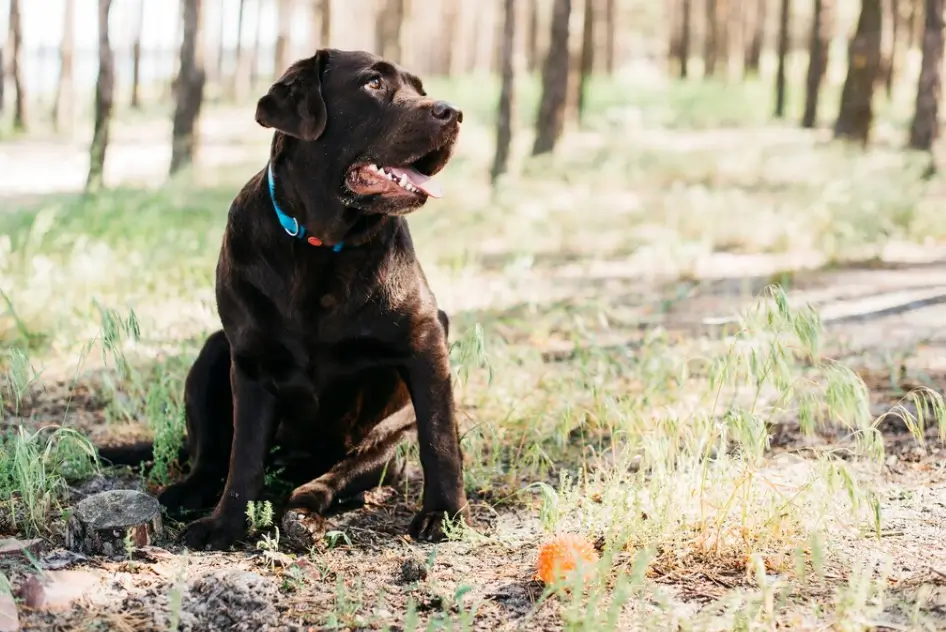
(446, 112)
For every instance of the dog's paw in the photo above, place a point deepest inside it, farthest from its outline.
(211, 533)
(301, 528)
(428, 526)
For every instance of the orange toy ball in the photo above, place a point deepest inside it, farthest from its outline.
(562, 555)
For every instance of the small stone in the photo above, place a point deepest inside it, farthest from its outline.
(26, 548)
(413, 571)
(9, 618)
(114, 523)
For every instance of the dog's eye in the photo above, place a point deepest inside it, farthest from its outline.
(374, 83)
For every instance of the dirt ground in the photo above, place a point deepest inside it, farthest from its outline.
(367, 579)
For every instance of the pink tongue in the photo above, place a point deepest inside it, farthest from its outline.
(425, 183)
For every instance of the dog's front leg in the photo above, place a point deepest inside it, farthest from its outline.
(428, 378)
(254, 421)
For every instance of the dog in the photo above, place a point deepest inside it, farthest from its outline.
(333, 349)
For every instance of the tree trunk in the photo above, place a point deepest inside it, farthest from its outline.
(818, 46)
(587, 64)
(856, 112)
(326, 33)
(611, 22)
(239, 83)
(16, 66)
(189, 88)
(890, 59)
(284, 25)
(451, 17)
(551, 118)
(735, 44)
(722, 36)
(784, 16)
(136, 58)
(62, 111)
(506, 95)
(576, 25)
(925, 127)
(388, 30)
(532, 37)
(104, 91)
(685, 34)
(710, 40)
(912, 21)
(674, 19)
(753, 53)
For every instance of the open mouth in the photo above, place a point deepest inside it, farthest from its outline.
(411, 179)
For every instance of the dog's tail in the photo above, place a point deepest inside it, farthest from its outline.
(134, 454)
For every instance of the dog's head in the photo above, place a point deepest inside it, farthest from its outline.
(360, 129)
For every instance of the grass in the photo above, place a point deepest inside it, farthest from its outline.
(584, 408)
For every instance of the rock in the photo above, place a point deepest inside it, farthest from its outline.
(9, 618)
(26, 548)
(413, 571)
(230, 600)
(114, 523)
(61, 559)
(57, 590)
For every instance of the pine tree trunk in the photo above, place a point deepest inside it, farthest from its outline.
(388, 30)
(136, 58)
(587, 64)
(925, 127)
(912, 22)
(239, 82)
(685, 35)
(783, 22)
(506, 92)
(674, 18)
(62, 111)
(532, 37)
(856, 112)
(326, 32)
(753, 53)
(736, 33)
(576, 25)
(818, 47)
(189, 89)
(551, 117)
(722, 36)
(104, 93)
(16, 66)
(710, 40)
(451, 18)
(284, 25)
(890, 67)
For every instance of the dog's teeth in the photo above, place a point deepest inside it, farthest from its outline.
(403, 181)
(380, 170)
(374, 167)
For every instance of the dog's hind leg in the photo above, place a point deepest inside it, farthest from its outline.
(377, 463)
(208, 403)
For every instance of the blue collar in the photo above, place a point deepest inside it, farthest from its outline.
(290, 224)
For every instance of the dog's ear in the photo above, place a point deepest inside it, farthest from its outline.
(294, 104)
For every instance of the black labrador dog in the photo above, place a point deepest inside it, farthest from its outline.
(333, 348)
